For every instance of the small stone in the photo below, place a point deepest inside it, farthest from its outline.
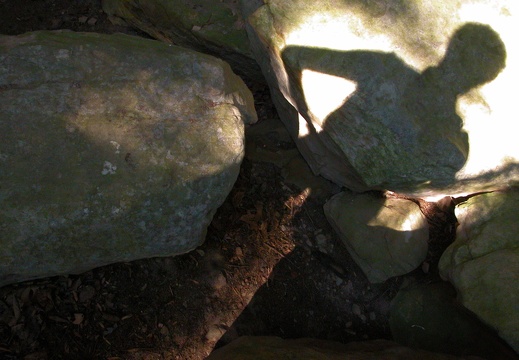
(238, 252)
(164, 331)
(321, 242)
(218, 281)
(92, 21)
(214, 333)
(355, 309)
(83, 19)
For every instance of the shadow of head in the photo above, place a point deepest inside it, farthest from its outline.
(475, 55)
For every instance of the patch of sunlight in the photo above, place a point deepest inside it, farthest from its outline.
(438, 197)
(486, 12)
(304, 129)
(488, 123)
(340, 31)
(490, 136)
(325, 93)
(386, 218)
(124, 120)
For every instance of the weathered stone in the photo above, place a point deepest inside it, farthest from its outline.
(214, 27)
(405, 96)
(268, 348)
(428, 317)
(262, 145)
(113, 148)
(385, 237)
(483, 262)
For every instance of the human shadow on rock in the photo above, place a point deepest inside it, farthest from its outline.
(399, 127)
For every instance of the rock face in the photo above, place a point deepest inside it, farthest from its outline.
(214, 27)
(483, 262)
(113, 148)
(268, 348)
(385, 237)
(427, 316)
(405, 97)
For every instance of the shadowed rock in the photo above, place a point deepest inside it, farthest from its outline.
(113, 148)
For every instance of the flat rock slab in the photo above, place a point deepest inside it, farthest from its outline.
(385, 237)
(114, 148)
(483, 262)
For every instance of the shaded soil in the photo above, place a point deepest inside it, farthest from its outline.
(271, 264)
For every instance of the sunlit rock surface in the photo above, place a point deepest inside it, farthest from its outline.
(113, 148)
(406, 96)
(214, 27)
(483, 262)
(385, 237)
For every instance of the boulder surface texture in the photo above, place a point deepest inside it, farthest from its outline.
(403, 96)
(269, 347)
(113, 148)
(483, 262)
(214, 27)
(385, 237)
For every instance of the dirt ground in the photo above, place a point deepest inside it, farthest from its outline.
(271, 264)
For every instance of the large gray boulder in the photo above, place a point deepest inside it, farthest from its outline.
(483, 262)
(385, 236)
(399, 96)
(113, 148)
(214, 27)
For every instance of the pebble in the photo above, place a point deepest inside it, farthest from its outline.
(218, 281)
(214, 333)
(238, 252)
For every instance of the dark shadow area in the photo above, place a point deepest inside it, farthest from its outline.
(317, 291)
(415, 112)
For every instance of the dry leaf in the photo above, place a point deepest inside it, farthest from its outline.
(78, 318)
